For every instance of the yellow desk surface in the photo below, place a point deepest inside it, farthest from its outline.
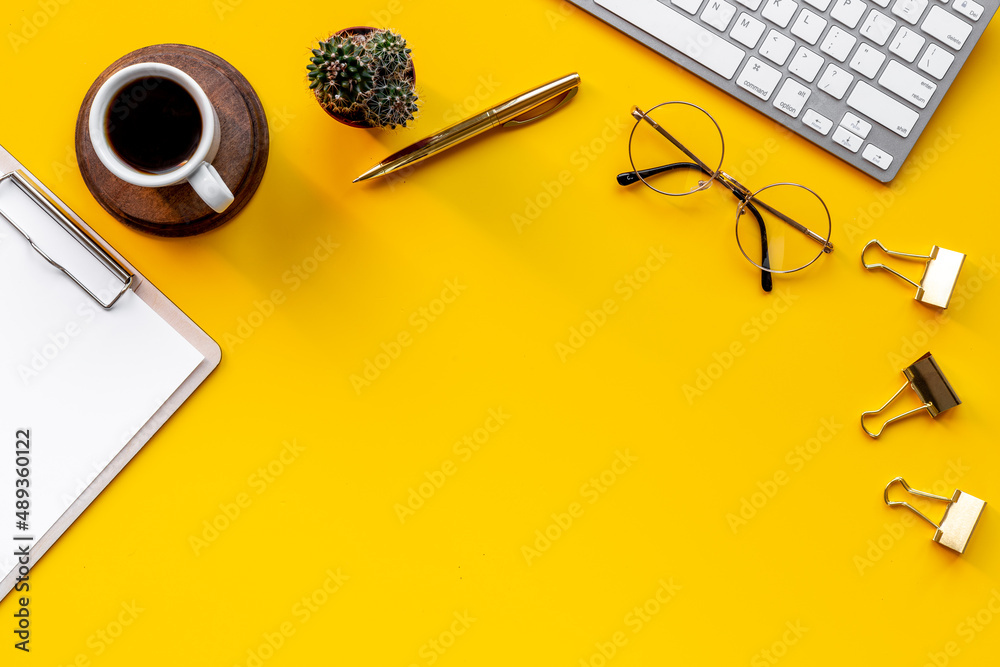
(477, 495)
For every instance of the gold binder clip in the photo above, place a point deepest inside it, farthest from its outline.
(932, 388)
(958, 522)
(940, 273)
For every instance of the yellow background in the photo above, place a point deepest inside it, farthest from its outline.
(809, 558)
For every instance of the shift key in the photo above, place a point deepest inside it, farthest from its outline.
(883, 109)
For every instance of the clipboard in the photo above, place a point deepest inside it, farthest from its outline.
(155, 309)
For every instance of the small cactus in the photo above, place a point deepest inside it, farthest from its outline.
(366, 78)
(340, 72)
(392, 103)
(388, 52)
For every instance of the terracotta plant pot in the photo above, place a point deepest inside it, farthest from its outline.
(351, 119)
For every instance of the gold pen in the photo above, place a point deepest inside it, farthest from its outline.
(544, 100)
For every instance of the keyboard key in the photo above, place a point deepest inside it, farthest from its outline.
(968, 8)
(835, 81)
(779, 12)
(877, 27)
(818, 122)
(936, 61)
(776, 47)
(907, 44)
(806, 64)
(674, 29)
(877, 156)
(759, 78)
(690, 6)
(867, 60)
(792, 97)
(882, 3)
(907, 84)
(849, 12)
(808, 26)
(752, 5)
(747, 30)
(819, 4)
(946, 27)
(883, 109)
(838, 44)
(856, 125)
(909, 10)
(848, 140)
(718, 14)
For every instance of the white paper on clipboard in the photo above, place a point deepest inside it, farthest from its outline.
(82, 379)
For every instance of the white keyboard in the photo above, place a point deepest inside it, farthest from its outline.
(860, 78)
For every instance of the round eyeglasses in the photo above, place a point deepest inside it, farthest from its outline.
(677, 149)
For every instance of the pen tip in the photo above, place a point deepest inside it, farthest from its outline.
(371, 173)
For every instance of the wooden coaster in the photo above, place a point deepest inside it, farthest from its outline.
(243, 148)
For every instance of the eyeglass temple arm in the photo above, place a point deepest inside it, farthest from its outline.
(827, 246)
(766, 279)
(630, 177)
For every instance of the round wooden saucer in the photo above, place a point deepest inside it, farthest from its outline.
(243, 148)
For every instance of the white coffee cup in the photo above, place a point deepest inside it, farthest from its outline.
(197, 170)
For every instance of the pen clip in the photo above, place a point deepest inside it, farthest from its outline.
(556, 103)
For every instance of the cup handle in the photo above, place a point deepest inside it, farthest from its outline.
(211, 188)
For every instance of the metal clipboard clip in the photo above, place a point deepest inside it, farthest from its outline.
(932, 388)
(940, 272)
(958, 522)
(58, 213)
